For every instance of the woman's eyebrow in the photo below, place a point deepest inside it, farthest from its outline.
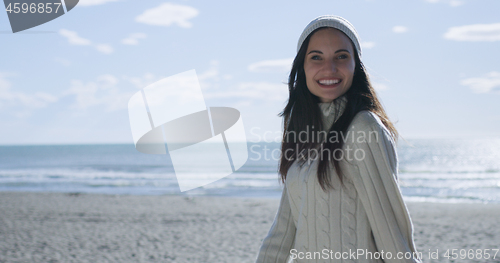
(314, 51)
(342, 50)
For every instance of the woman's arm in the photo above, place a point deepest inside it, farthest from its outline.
(276, 246)
(374, 157)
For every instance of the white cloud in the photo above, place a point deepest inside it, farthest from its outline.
(209, 79)
(399, 29)
(94, 2)
(452, 3)
(477, 32)
(75, 39)
(168, 14)
(4, 83)
(254, 90)
(102, 91)
(215, 85)
(212, 73)
(29, 100)
(486, 84)
(104, 48)
(456, 3)
(367, 45)
(133, 39)
(143, 81)
(379, 86)
(277, 65)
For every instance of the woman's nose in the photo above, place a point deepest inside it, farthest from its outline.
(331, 66)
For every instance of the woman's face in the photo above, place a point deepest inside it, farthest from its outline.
(329, 64)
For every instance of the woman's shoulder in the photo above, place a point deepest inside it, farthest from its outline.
(368, 134)
(366, 120)
(366, 126)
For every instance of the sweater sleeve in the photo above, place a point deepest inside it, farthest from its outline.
(375, 178)
(277, 244)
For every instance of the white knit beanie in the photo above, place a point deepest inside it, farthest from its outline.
(336, 22)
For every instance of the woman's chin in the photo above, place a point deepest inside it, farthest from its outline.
(328, 98)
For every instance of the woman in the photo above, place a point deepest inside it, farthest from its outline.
(341, 201)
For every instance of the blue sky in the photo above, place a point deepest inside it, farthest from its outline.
(434, 64)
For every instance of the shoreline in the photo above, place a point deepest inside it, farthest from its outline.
(257, 194)
(80, 227)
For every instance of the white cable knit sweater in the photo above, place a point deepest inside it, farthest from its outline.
(367, 215)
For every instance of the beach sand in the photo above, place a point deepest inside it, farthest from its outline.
(58, 227)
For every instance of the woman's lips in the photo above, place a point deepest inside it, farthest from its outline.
(329, 83)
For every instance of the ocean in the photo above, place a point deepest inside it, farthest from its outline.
(430, 170)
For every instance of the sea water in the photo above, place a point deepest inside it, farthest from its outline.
(435, 170)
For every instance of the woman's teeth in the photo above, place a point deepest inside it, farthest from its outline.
(329, 81)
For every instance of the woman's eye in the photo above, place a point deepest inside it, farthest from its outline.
(343, 56)
(316, 57)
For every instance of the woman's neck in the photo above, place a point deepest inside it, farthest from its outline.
(331, 111)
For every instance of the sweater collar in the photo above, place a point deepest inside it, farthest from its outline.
(331, 111)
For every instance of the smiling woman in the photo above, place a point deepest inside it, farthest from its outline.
(341, 200)
(329, 64)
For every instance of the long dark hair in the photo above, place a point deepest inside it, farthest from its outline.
(303, 113)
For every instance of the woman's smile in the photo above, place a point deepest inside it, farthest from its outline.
(329, 83)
